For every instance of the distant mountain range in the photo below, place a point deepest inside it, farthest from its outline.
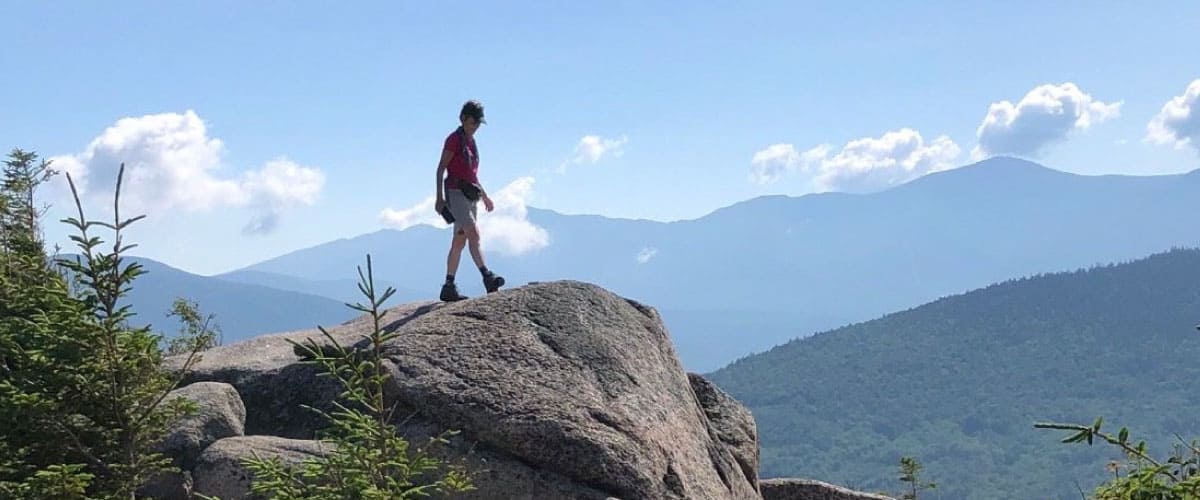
(956, 382)
(959, 383)
(342, 290)
(241, 310)
(761, 272)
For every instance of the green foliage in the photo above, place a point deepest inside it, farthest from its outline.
(958, 381)
(196, 332)
(1175, 478)
(23, 174)
(20, 236)
(83, 395)
(60, 482)
(368, 459)
(910, 472)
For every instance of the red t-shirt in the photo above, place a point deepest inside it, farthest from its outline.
(464, 165)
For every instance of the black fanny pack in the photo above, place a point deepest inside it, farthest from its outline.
(469, 189)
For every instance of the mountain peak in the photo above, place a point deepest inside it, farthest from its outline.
(1008, 162)
(989, 174)
(1007, 166)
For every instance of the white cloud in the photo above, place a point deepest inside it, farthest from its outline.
(285, 183)
(421, 213)
(1178, 122)
(593, 148)
(646, 254)
(172, 163)
(1047, 114)
(58, 188)
(771, 164)
(506, 230)
(866, 164)
(279, 185)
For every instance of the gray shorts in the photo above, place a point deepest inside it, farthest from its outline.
(461, 208)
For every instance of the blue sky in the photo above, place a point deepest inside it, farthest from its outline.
(255, 129)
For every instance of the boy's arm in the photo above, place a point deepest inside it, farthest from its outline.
(487, 201)
(441, 173)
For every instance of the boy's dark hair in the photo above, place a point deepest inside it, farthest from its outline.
(473, 109)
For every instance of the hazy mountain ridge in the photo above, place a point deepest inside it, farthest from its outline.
(817, 261)
(343, 290)
(959, 382)
(241, 310)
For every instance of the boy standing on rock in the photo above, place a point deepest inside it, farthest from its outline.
(458, 192)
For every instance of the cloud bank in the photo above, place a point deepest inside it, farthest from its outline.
(1047, 114)
(861, 165)
(1178, 123)
(171, 163)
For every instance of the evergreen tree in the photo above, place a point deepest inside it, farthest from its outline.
(19, 212)
(83, 394)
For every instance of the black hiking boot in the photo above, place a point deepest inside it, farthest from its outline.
(450, 293)
(492, 282)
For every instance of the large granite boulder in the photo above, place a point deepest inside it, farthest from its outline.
(272, 381)
(560, 390)
(572, 379)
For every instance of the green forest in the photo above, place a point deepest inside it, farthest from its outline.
(959, 383)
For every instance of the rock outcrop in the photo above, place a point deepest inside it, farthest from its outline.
(805, 489)
(558, 390)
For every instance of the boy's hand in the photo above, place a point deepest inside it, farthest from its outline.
(487, 203)
(439, 205)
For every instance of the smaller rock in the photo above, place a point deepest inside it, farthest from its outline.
(221, 414)
(168, 486)
(219, 471)
(807, 489)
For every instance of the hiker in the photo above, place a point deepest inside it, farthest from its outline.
(457, 196)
